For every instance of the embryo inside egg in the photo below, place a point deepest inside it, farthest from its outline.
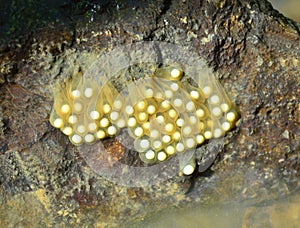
(164, 113)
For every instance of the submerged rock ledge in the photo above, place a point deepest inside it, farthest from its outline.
(254, 49)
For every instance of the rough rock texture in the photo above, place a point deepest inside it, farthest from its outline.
(257, 54)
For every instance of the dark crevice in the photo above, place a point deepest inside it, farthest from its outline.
(166, 7)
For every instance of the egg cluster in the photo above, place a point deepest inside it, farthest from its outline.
(163, 114)
(83, 113)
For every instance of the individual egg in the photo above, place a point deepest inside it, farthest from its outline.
(170, 127)
(218, 132)
(173, 114)
(65, 108)
(170, 150)
(88, 92)
(132, 122)
(104, 102)
(101, 134)
(216, 111)
(148, 157)
(142, 144)
(106, 108)
(174, 86)
(67, 130)
(176, 73)
(156, 144)
(214, 99)
(161, 156)
(94, 115)
(56, 120)
(76, 139)
(152, 108)
(176, 136)
(141, 105)
(136, 100)
(166, 139)
(80, 128)
(172, 72)
(231, 116)
(165, 105)
(74, 85)
(160, 118)
(180, 147)
(178, 103)
(92, 127)
(207, 90)
(190, 106)
(193, 119)
(168, 93)
(200, 139)
(129, 110)
(78, 107)
(189, 168)
(190, 142)
(208, 134)
(104, 122)
(76, 93)
(226, 125)
(205, 78)
(89, 138)
(148, 92)
(142, 117)
(187, 130)
(225, 106)
(114, 115)
(180, 122)
(154, 133)
(146, 126)
(72, 119)
(195, 93)
(121, 123)
(150, 154)
(61, 107)
(202, 111)
(136, 131)
(112, 130)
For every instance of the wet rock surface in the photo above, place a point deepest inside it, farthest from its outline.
(254, 49)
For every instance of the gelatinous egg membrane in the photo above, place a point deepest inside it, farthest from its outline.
(163, 114)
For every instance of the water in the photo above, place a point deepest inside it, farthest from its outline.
(289, 8)
(278, 213)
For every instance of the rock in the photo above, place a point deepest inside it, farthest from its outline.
(255, 51)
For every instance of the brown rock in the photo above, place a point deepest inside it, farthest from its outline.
(254, 49)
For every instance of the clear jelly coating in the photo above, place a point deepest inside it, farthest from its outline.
(164, 116)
